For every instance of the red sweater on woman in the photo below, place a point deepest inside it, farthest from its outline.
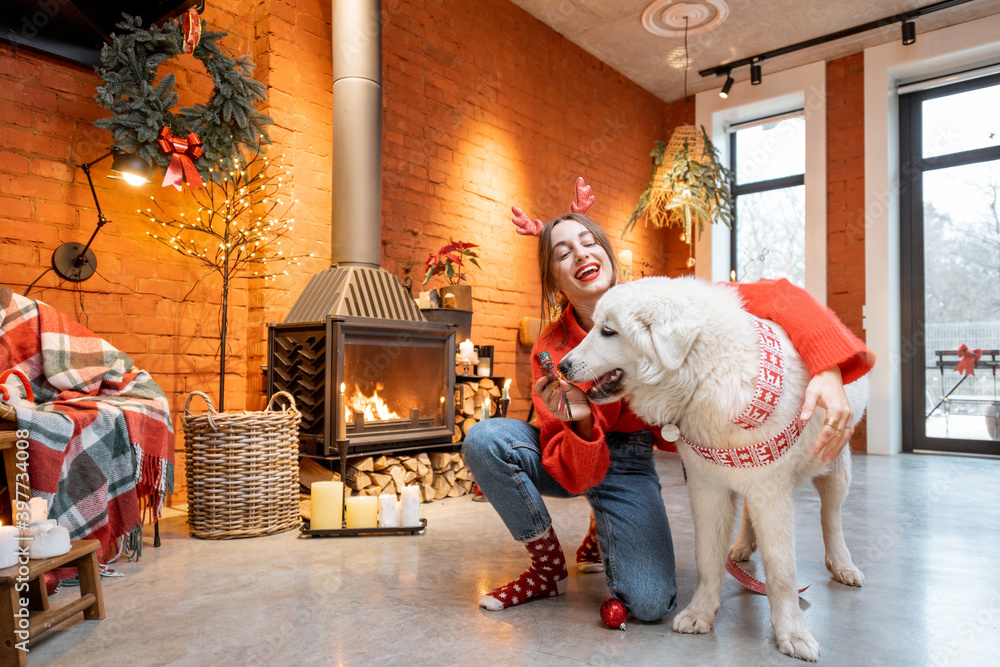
(819, 337)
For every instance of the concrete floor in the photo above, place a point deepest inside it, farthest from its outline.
(923, 529)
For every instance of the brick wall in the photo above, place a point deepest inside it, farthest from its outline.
(484, 107)
(845, 219)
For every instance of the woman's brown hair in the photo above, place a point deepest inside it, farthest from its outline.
(553, 300)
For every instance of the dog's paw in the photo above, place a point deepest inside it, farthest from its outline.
(694, 621)
(847, 574)
(741, 551)
(798, 644)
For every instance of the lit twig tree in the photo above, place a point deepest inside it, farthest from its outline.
(237, 231)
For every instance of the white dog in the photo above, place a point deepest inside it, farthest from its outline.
(688, 357)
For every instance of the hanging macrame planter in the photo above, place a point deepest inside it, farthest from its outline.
(688, 185)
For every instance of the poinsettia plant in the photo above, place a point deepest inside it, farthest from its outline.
(450, 261)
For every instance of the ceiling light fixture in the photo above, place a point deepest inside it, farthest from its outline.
(904, 18)
(755, 74)
(727, 86)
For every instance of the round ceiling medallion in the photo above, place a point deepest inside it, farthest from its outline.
(667, 17)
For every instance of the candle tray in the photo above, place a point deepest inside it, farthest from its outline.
(305, 531)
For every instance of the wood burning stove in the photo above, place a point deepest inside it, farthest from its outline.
(354, 323)
(398, 383)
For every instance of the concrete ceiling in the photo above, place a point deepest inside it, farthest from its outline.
(612, 31)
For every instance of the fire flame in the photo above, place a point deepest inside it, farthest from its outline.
(372, 407)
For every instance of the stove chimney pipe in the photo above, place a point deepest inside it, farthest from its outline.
(357, 133)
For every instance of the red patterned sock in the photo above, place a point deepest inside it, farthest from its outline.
(588, 556)
(546, 577)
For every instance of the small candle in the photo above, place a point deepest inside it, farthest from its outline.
(483, 367)
(388, 513)
(362, 511)
(8, 545)
(48, 541)
(342, 417)
(732, 276)
(409, 512)
(503, 392)
(486, 408)
(327, 506)
(38, 509)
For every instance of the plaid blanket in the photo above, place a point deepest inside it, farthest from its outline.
(101, 446)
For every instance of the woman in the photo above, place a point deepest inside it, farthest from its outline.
(605, 452)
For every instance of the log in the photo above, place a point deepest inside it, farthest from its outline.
(457, 435)
(311, 471)
(487, 383)
(409, 476)
(424, 458)
(467, 424)
(380, 479)
(356, 479)
(463, 473)
(439, 460)
(456, 491)
(371, 491)
(410, 463)
(427, 492)
(305, 508)
(494, 395)
(427, 477)
(391, 488)
(380, 463)
(466, 484)
(366, 464)
(397, 473)
(449, 476)
(422, 468)
(441, 487)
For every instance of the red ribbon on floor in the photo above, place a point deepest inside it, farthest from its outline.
(192, 30)
(967, 360)
(185, 152)
(742, 576)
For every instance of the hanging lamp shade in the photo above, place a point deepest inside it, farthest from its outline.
(694, 138)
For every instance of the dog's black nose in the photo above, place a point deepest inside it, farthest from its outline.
(564, 367)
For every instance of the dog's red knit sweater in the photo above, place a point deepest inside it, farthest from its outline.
(820, 338)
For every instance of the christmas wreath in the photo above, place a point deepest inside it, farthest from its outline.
(143, 120)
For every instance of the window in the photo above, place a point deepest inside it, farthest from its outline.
(950, 265)
(769, 233)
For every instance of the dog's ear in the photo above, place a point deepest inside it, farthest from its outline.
(664, 336)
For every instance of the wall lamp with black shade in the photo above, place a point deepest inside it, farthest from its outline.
(909, 29)
(75, 262)
(755, 75)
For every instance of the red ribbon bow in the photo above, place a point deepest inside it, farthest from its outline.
(967, 360)
(185, 152)
(192, 30)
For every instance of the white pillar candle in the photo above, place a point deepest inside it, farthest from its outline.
(483, 367)
(38, 509)
(388, 515)
(8, 545)
(467, 351)
(327, 506)
(48, 543)
(409, 515)
(362, 511)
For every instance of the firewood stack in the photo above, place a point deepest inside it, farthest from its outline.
(469, 398)
(438, 474)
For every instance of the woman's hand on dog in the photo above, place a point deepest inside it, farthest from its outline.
(577, 399)
(826, 390)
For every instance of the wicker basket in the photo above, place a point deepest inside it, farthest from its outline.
(242, 470)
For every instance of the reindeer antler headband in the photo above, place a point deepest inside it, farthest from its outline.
(528, 227)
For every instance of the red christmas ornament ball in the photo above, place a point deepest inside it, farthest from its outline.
(613, 613)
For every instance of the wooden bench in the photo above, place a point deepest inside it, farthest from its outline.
(82, 556)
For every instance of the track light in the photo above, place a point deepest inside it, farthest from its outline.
(755, 74)
(726, 87)
(909, 32)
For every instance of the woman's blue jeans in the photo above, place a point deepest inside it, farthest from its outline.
(505, 457)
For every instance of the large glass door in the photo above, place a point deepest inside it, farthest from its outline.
(950, 261)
